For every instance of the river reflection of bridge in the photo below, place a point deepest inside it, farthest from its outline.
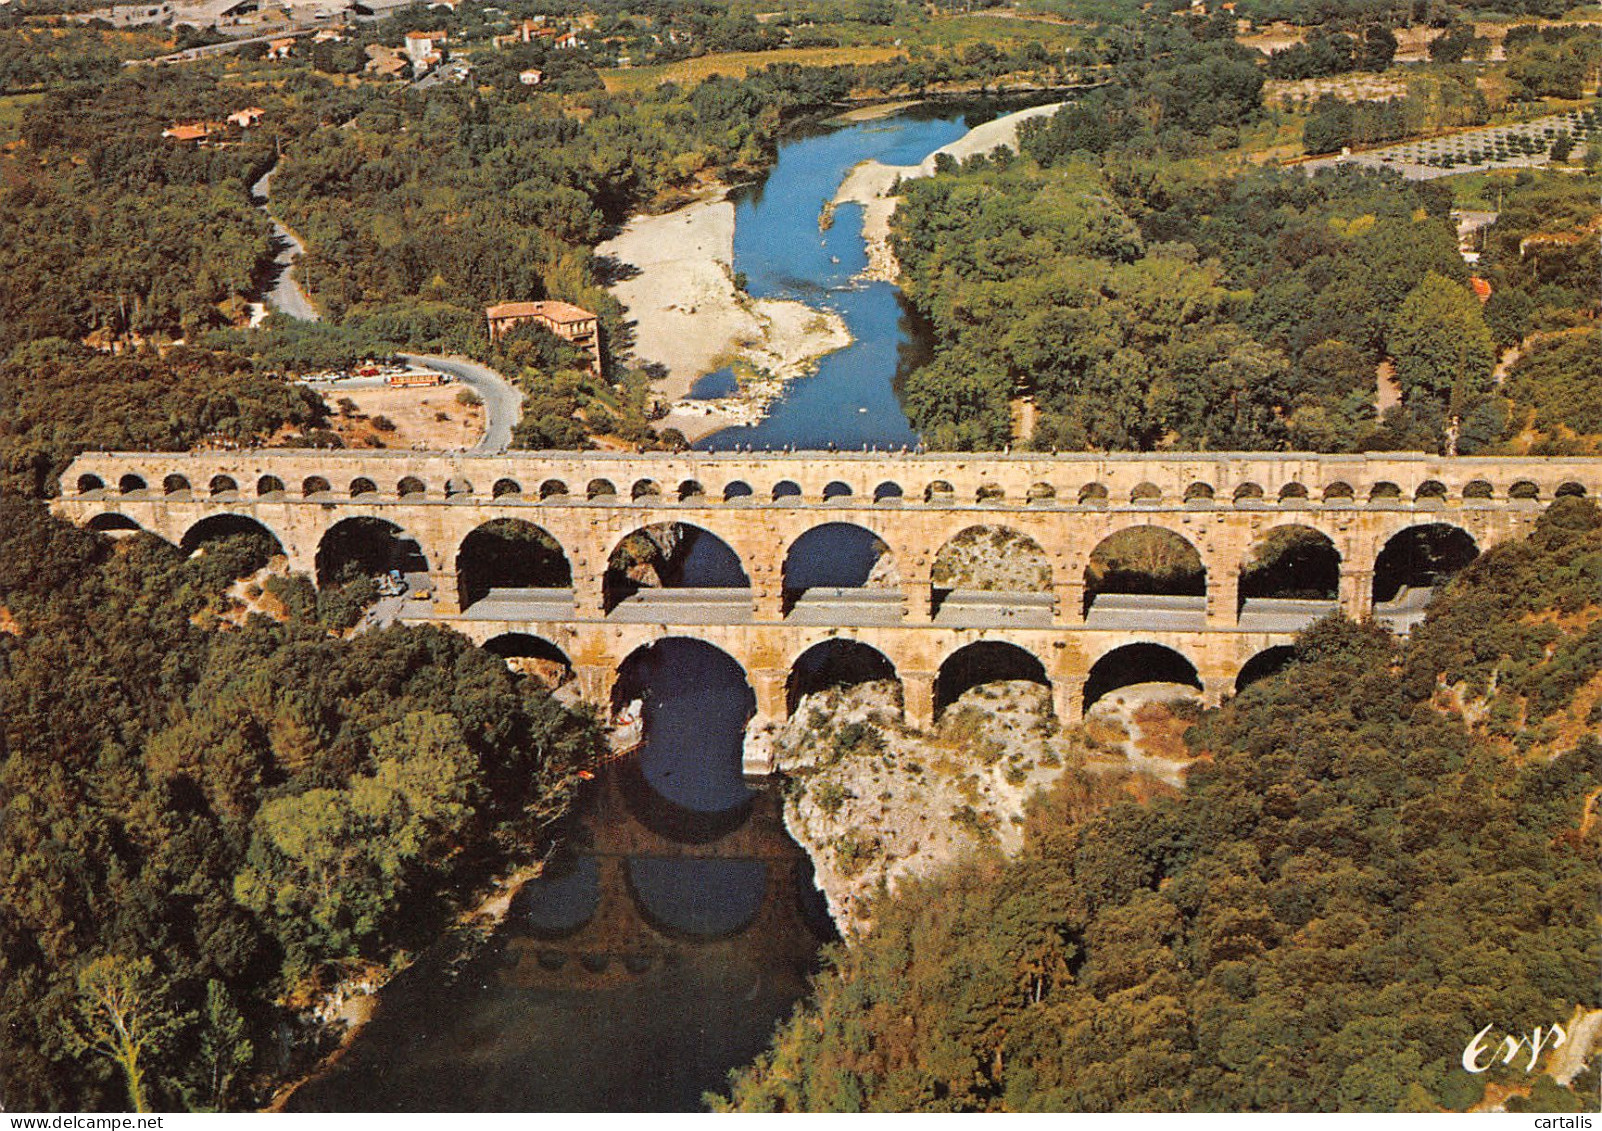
(644, 971)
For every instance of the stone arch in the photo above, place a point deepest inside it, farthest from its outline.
(315, 485)
(366, 546)
(410, 486)
(670, 555)
(836, 490)
(130, 483)
(214, 527)
(269, 485)
(1093, 495)
(836, 662)
(737, 489)
(989, 558)
(984, 661)
(503, 487)
(533, 656)
(645, 489)
(88, 483)
(600, 489)
(1478, 489)
(690, 490)
(110, 522)
(174, 484)
(888, 492)
(362, 485)
(1146, 560)
(939, 492)
(1041, 493)
(1569, 489)
(989, 493)
(837, 555)
(552, 489)
(1384, 491)
(223, 485)
(1339, 491)
(1132, 664)
(786, 489)
(1147, 492)
(1266, 663)
(696, 700)
(1524, 489)
(1292, 562)
(1292, 492)
(457, 486)
(1248, 493)
(1421, 557)
(510, 555)
(1430, 489)
(1199, 492)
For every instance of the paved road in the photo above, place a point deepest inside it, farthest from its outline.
(503, 404)
(283, 293)
(190, 54)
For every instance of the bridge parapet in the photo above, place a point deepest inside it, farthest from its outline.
(941, 481)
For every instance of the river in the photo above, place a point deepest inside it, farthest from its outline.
(681, 924)
(851, 399)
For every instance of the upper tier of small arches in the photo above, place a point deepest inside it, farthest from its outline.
(837, 492)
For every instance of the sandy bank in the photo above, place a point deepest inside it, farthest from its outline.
(873, 184)
(690, 318)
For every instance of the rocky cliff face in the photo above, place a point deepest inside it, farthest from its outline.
(873, 802)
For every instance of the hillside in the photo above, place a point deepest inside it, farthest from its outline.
(1379, 851)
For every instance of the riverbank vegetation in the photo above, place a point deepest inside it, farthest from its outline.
(1379, 850)
(224, 814)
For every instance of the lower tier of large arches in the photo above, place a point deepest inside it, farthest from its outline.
(929, 668)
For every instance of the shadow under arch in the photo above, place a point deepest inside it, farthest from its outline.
(699, 899)
(509, 553)
(836, 662)
(1270, 661)
(362, 545)
(532, 656)
(1131, 664)
(1293, 562)
(110, 522)
(1421, 557)
(687, 781)
(670, 555)
(217, 526)
(984, 661)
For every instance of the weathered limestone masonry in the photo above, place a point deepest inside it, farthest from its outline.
(1222, 504)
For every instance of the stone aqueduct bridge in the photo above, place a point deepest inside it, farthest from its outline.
(1222, 504)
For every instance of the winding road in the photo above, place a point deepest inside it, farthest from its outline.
(284, 293)
(503, 403)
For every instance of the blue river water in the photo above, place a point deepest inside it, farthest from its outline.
(851, 399)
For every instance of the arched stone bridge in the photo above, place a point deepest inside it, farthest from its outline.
(1059, 508)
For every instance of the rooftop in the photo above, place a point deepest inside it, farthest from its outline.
(553, 309)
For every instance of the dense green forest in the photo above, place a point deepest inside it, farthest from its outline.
(211, 815)
(1147, 303)
(1378, 851)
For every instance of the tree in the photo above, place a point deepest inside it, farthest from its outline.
(1440, 343)
(121, 1013)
